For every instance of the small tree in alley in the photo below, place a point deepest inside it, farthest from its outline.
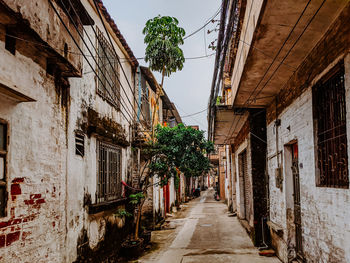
(163, 37)
(179, 149)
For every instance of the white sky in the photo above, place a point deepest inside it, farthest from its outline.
(189, 89)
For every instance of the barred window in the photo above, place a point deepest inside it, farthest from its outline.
(3, 154)
(330, 130)
(108, 86)
(109, 176)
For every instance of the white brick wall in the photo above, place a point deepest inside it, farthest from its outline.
(325, 211)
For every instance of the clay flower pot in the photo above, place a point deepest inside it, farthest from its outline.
(132, 248)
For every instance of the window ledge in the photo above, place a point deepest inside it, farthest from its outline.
(96, 208)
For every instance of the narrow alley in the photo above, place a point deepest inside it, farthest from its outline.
(174, 131)
(204, 232)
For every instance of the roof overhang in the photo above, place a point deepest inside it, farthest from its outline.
(228, 122)
(263, 76)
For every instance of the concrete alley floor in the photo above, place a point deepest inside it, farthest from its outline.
(203, 232)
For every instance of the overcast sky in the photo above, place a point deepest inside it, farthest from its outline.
(189, 89)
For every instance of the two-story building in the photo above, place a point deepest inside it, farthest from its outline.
(285, 81)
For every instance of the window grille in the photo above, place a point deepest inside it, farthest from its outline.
(109, 176)
(330, 130)
(108, 86)
(3, 154)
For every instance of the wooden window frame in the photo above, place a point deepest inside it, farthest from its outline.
(108, 85)
(329, 117)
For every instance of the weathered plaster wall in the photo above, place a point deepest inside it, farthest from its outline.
(36, 165)
(325, 211)
(42, 18)
(89, 230)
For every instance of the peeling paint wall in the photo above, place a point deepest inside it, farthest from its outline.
(82, 171)
(36, 165)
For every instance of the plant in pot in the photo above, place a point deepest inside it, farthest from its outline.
(132, 247)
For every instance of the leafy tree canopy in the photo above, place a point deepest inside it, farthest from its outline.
(163, 37)
(181, 149)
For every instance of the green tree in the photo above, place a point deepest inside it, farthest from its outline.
(163, 38)
(180, 148)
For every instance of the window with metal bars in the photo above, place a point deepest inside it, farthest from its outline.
(108, 86)
(3, 155)
(109, 177)
(329, 114)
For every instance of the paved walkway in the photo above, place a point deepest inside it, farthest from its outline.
(204, 233)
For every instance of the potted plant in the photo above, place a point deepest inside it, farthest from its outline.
(132, 247)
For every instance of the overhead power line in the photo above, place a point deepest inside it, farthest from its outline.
(280, 63)
(206, 23)
(127, 110)
(193, 114)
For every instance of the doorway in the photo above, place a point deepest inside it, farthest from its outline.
(293, 201)
(245, 185)
(297, 208)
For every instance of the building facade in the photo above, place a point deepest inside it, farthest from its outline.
(284, 111)
(69, 88)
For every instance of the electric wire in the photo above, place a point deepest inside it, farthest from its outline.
(291, 48)
(78, 46)
(216, 65)
(110, 63)
(104, 26)
(280, 49)
(99, 67)
(193, 114)
(206, 23)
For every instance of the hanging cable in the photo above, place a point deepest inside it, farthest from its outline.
(285, 56)
(121, 66)
(206, 23)
(78, 46)
(110, 63)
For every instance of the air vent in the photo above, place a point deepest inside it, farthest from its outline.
(79, 144)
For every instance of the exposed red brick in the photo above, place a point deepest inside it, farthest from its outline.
(40, 201)
(15, 228)
(29, 202)
(35, 196)
(2, 241)
(12, 212)
(12, 237)
(15, 189)
(16, 221)
(18, 180)
(25, 234)
(4, 224)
